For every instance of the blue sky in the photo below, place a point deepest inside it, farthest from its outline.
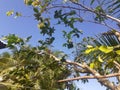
(26, 26)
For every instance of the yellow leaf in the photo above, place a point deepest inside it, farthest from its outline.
(118, 52)
(106, 49)
(87, 51)
(92, 65)
(26, 1)
(26, 75)
(99, 59)
(41, 25)
(89, 46)
(9, 13)
(36, 3)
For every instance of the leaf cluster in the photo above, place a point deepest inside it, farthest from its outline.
(28, 68)
(101, 53)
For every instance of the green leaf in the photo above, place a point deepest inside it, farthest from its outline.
(106, 49)
(118, 52)
(72, 12)
(36, 10)
(28, 38)
(18, 14)
(92, 2)
(70, 45)
(28, 2)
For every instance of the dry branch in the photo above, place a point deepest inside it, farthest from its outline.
(90, 77)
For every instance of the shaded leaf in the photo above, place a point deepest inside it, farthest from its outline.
(92, 2)
(36, 10)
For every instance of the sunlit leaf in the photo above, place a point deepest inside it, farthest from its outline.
(118, 52)
(36, 3)
(9, 13)
(92, 65)
(89, 46)
(106, 49)
(41, 25)
(88, 51)
(100, 59)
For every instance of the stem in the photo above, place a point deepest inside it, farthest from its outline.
(93, 11)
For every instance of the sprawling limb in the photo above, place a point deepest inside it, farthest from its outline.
(94, 74)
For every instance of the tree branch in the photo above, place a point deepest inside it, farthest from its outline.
(93, 11)
(117, 64)
(90, 77)
(62, 6)
(96, 75)
(68, 61)
(104, 24)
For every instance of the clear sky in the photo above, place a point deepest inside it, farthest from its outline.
(26, 26)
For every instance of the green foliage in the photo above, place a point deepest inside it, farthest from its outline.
(99, 11)
(28, 69)
(73, 33)
(111, 7)
(32, 70)
(13, 39)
